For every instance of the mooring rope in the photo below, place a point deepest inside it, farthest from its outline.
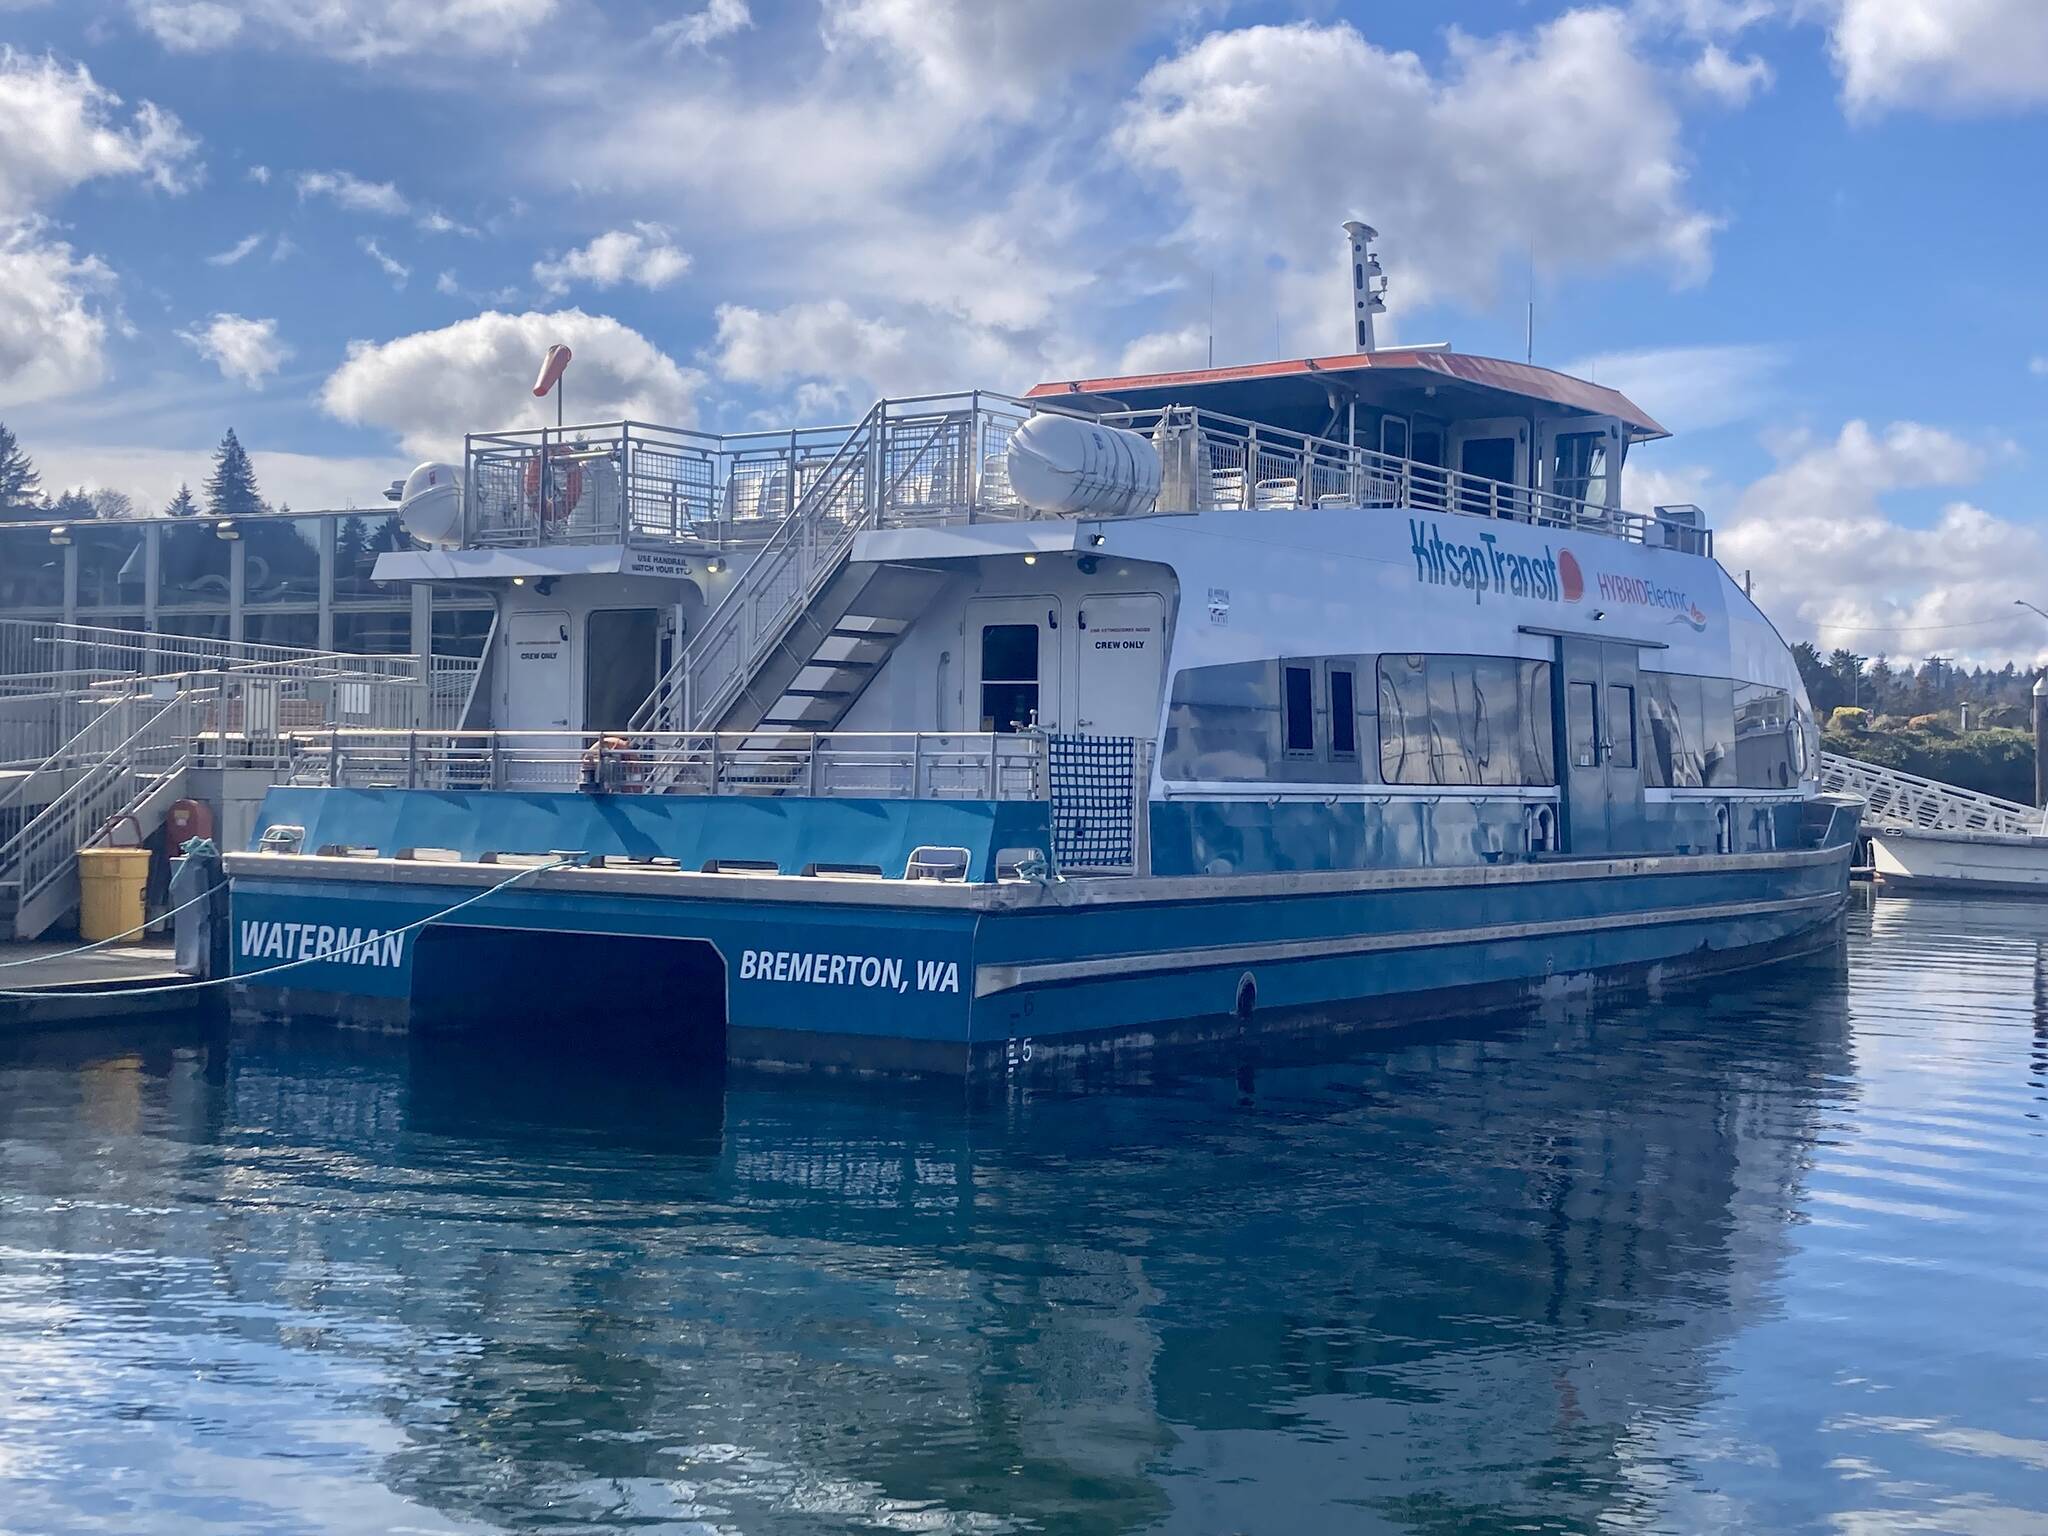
(291, 965)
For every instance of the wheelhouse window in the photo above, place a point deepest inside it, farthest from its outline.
(1579, 467)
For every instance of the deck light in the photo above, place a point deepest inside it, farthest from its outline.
(60, 534)
(1031, 559)
(225, 529)
(1098, 540)
(714, 565)
(518, 581)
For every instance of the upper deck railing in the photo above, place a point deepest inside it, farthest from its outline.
(943, 459)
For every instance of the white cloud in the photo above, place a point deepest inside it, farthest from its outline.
(431, 387)
(190, 26)
(916, 350)
(58, 129)
(260, 174)
(993, 57)
(2037, 365)
(642, 255)
(1706, 18)
(435, 222)
(700, 29)
(353, 193)
(446, 283)
(1719, 74)
(362, 31)
(52, 336)
(1831, 562)
(392, 267)
(1690, 389)
(1562, 139)
(235, 252)
(1957, 55)
(1166, 351)
(245, 350)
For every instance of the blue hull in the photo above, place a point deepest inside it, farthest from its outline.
(971, 979)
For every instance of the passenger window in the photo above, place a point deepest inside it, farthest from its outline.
(1343, 713)
(1404, 720)
(1298, 709)
(1621, 726)
(1578, 724)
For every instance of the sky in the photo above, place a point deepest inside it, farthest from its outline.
(1804, 234)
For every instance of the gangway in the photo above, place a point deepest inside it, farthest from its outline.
(1897, 799)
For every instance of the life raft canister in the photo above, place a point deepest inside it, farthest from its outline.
(564, 490)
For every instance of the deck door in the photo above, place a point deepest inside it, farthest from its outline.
(1600, 762)
(1119, 651)
(1013, 664)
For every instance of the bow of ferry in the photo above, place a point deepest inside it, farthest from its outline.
(988, 733)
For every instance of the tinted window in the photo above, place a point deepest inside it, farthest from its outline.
(1404, 720)
(1578, 725)
(1009, 677)
(1343, 713)
(1621, 726)
(1717, 732)
(1220, 723)
(1298, 708)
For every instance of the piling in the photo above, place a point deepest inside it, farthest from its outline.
(2041, 740)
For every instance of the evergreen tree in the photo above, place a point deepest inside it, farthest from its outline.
(72, 506)
(20, 485)
(231, 488)
(182, 504)
(351, 544)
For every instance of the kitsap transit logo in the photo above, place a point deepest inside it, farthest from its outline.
(1480, 566)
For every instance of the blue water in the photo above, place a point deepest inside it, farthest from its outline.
(1769, 1256)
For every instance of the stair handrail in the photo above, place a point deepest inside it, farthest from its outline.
(21, 863)
(62, 759)
(814, 558)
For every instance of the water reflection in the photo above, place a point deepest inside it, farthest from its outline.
(1752, 1258)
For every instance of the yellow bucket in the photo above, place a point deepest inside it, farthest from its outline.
(111, 883)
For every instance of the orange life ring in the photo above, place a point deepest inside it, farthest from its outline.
(562, 495)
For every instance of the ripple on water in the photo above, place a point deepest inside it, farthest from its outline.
(1767, 1256)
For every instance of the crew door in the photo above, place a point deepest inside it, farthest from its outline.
(540, 671)
(1013, 664)
(1600, 767)
(1492, 460)
(1119, 656)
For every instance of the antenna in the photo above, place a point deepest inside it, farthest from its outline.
(1212, 319)
(1368, 283)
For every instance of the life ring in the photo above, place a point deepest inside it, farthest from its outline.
(564, 491)
(611, 764)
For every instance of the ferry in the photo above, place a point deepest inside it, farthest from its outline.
(992, 734)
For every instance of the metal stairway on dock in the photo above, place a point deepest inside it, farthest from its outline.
(1897, 799)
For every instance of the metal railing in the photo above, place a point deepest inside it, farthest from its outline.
(1894, 798)
(898, 765)
(153, 740)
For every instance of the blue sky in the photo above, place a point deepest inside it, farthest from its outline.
(1804, 233)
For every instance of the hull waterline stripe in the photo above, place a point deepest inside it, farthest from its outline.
(991, 979)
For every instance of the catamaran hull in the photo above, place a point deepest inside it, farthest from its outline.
(974, 981)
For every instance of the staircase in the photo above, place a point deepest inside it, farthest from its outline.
(1894, 798)
(128, 763)
(804, 630)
